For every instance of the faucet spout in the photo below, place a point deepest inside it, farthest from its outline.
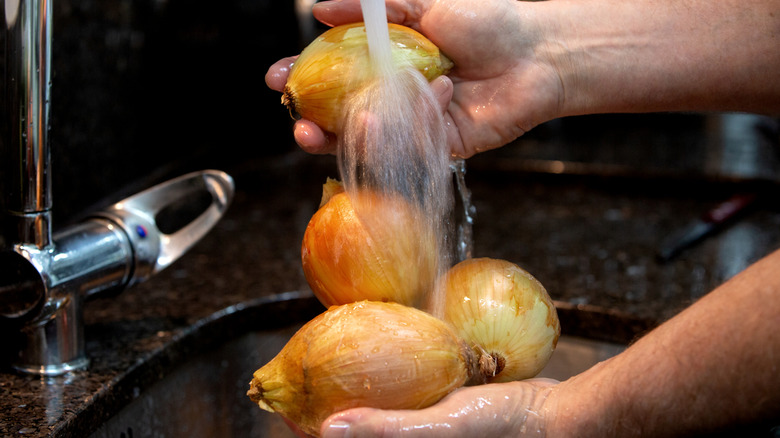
(25, 140)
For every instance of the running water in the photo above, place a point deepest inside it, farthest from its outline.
(465, 221)
(394, 142)
(378, 35)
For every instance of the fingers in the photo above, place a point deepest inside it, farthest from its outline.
(309, 136)
(276, 77)
(507, 409)
(312, 139)
(337, 12)
(295, 429)
(442, 88)
(367, 422)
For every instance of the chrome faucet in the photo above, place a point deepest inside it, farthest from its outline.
(45, 277)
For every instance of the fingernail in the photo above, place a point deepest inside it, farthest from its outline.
(338, 429)
(438, 85)
(324, 3)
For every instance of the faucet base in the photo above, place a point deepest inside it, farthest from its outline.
(53, 344)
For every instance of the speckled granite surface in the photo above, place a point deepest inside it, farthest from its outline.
(591, 240)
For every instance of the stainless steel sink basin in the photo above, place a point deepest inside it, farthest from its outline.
(206, 395)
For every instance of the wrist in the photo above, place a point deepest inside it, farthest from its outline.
(587, 405)
(590, 57)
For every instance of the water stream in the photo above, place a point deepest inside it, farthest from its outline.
(464, 216)
(394, 142)
(379, 47)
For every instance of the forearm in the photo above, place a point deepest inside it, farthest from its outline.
(665, 55)
(713, 365)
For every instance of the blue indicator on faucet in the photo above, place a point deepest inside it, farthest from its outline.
(141, 231)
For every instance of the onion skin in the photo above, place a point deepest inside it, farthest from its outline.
(505, 313)
(366, 354)
(345, 260)
(336, 63)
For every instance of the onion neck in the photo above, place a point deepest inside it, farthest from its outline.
(483, 366)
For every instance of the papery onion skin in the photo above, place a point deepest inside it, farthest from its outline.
(345, 260)
(365, 354)
(337, 62)
(504, 312)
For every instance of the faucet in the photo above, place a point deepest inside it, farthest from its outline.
(45, 277)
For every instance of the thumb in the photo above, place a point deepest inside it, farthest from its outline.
(368, 422)
(442, 88)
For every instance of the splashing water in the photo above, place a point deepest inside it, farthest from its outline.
(466, 210)
(394, 143)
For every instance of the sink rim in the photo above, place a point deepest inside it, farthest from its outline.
(231, 322)
(260, 313)
(183, 399)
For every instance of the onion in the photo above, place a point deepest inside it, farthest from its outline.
(369, 354)
(505, 313)
(337, 63)
(385, 253)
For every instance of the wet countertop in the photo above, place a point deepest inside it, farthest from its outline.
(589, 231)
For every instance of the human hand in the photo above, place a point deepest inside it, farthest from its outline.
(504, 409)
(501, 85)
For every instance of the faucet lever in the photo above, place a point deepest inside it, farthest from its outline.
(154, 250)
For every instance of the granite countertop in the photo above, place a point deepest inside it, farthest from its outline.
(591, 240)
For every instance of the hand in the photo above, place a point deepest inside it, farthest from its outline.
(506, 409)
(500, 88)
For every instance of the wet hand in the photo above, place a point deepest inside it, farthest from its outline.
(307, 134)
(507, 409)
(502, 84)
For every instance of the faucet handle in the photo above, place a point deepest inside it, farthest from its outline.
(154, 249)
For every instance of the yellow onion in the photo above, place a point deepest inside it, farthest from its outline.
(385, 253)
(505, 313)
(337, 63)
(365, 354)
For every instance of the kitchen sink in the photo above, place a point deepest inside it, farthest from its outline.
(205, 396)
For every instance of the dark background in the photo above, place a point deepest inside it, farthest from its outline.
(144, 90)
